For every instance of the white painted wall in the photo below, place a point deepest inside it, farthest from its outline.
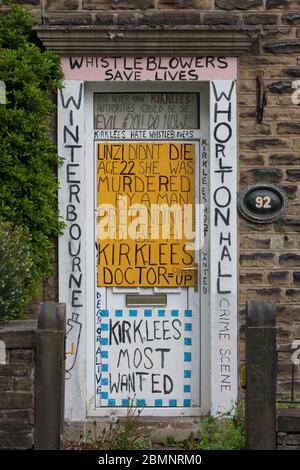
(72, 246)
(223, 245)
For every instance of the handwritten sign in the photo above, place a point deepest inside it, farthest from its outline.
(146, 221)
(145, 356)
(130, 69)
(223, 245)
(146, 111)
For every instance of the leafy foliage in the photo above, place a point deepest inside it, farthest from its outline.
(122, 435)
(28, 159)
(16, 282)
(225, 432)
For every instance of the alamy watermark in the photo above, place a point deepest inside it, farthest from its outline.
(150, 222)
(296, 343)
(296, 94)
(2, 92)
(296, 352)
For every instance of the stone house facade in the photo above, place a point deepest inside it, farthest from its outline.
(267, 38)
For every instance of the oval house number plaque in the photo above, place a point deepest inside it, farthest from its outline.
(262, 202)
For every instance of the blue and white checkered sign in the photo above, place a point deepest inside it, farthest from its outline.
(144, 357)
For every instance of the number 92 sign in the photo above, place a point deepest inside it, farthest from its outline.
(262, 202)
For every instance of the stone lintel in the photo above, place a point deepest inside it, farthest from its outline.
(182, 41)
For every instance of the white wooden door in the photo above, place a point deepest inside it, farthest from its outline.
(147, 337)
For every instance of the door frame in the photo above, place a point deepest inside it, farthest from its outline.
(74, 136)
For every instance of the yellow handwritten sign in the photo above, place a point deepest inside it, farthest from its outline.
(146, 194)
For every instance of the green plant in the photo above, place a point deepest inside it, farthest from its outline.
(122, 435)
(16, 281)
(28, 159)
(226, 432)
(286, 402)
(174, 441)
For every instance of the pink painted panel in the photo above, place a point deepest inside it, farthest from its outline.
(128, 69)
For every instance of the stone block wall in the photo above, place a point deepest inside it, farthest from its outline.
(32, 364)
(269, 254)
(288, 429)
(17, 387)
